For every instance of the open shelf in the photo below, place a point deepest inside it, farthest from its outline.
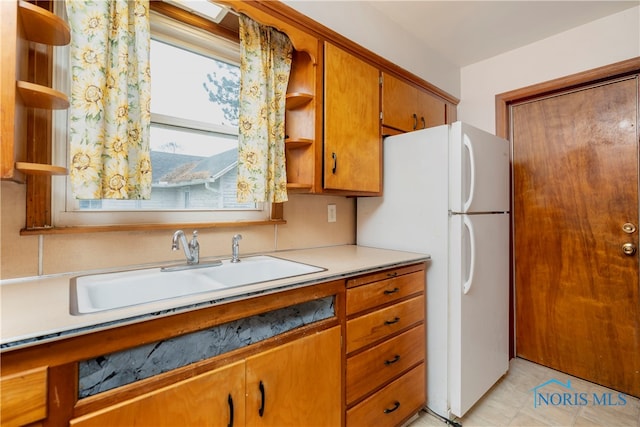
(298, 186)
(40, 169)
(298, 99)
(297, 143)
(42, 26)
(38, 96)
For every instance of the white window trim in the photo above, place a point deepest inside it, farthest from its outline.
(169, 31)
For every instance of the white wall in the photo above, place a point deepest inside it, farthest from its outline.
(372, 30)
(602, 42)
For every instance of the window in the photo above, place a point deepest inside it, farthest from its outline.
(195, 83)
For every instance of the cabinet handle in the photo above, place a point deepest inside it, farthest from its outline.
(392, 361)
(424, 123)
(396, 405)
(334, 156)
(415, 121)
(394, 274)
(391, 322)
(391, 291)
(262, 399)
(230, 401)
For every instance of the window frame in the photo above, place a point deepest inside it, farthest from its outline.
(39, 209)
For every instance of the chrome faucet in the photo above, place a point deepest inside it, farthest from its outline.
(191, 249)
(235, 248)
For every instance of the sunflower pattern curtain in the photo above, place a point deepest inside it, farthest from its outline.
(109, 115)
(265, 63)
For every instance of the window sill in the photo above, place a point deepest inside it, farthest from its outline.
(144, 227)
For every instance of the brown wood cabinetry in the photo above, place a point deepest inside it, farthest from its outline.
(279, 387)
(352, 142)
(406, 107)
(23, 397)
(385, 347)
(296, 384)
(215, 398)
(23, 26)
(290, 379)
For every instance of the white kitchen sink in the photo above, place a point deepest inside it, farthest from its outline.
(108, 291)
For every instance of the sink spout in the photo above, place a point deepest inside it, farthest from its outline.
(191, 249)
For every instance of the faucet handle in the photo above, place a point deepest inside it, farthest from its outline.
(237, 237)
(195, 234)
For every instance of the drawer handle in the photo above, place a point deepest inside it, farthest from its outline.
(391, 291)
(392, 361)
(394, 274)
(391, 322)
(396, 405)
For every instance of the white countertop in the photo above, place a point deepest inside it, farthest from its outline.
(36, 310)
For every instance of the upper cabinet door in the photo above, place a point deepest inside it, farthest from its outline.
(431, 111)
(399, 104)
(407, 108)
(352, 141)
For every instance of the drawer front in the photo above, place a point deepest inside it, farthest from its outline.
(379, 324)
(385, 291)
(393, 404)
(385, 274)
(24, 397)
(370, 369)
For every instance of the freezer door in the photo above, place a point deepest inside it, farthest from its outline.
(478, 170)
(479, 306)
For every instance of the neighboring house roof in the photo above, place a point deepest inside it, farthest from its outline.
(182, 169)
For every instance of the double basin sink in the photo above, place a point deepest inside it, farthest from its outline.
(108, 291)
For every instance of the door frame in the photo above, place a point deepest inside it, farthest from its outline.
(505, 100)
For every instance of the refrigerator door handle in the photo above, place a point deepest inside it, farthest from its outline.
(466, 286)
(472, 171)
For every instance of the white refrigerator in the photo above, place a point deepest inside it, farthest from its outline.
(446, 193)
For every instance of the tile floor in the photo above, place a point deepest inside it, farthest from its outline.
(511, 403)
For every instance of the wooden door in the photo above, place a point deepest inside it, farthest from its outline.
(296, 384)
(575, 175)
(204, 400)
(352, 142)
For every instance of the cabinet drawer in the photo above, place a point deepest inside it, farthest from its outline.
(393, 404)
(377, 293)
(385, 274)
(24, 397)
(374, 326)
(370, 369)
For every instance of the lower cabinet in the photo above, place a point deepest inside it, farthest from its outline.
(297, 383)
(385, 347)
(214, 398)
(23, 397)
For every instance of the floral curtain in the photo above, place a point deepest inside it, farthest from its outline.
(264, 74)
(109, 115)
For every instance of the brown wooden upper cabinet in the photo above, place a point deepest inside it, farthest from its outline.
(352, 140)
(406, 108)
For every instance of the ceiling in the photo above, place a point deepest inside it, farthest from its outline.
(465, 32)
